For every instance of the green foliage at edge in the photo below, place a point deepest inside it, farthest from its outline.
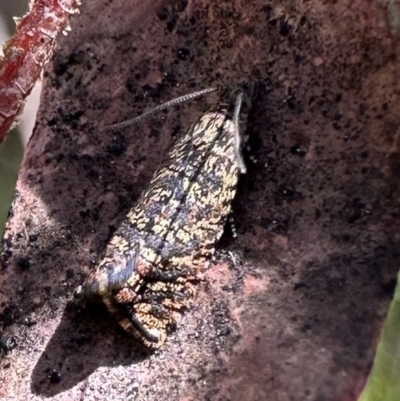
(384, 381)
(11, 151)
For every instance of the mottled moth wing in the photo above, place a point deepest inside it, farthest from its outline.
(154, 259)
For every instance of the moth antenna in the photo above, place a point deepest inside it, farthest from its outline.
(237, 139)
(164, 106)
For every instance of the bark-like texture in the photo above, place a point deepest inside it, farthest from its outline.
(26, 53)
(298, 318)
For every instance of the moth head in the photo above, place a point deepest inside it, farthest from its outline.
(246, 89)
(229, 95)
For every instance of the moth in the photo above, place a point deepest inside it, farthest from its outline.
(156, 258)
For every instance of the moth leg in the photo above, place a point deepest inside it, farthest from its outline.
(161, 318)
(130, 322)
(156, 296)
(149, 322)
(167, 276)
(137, 325)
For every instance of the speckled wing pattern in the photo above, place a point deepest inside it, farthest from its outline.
(156, 257)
